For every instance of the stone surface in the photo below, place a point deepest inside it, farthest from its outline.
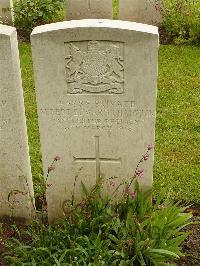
(96, 97)
(6, 12)
(85, 9)
(16, 189)
(141, 11)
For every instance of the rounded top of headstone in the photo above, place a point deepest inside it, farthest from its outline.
(96, 23)
(7, 30)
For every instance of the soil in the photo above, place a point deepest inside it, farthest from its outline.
(164, 37)
(23, 37)
(191, 247)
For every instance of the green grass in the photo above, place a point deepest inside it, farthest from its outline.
(31, 115)
(177, 152)
(177, 160)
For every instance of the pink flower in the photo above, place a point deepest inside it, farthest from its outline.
(139, 173)
(133, 194)
(112, 183)
(57, 158)
(126, 190)
(51, 168)
(146, 157)
(150, 147)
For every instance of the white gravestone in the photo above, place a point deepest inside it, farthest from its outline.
(96, 95)
(6, 12)
(85, 9)
(141, 11)
(16, 188)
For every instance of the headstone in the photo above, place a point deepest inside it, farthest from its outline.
(141, 11)
(6, 12)
(16, 188)
(96, 97)
(85, 9)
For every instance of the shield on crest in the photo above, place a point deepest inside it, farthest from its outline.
(97, 69)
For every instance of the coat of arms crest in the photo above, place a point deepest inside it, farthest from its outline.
(98, 69)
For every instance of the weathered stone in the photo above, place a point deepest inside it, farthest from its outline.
(6, 12)
(85, 9)
(141, 11)
(16, 189)
(96, 97)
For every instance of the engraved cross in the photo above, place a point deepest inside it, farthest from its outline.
(98, 159)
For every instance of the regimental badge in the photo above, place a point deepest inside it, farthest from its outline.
(99, 68)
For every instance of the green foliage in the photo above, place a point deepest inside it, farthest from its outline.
(115, 9)
(31, 13)
(99, 231)
(181, 21)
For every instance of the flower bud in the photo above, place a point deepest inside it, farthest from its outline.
(150, 147)
(57, 158)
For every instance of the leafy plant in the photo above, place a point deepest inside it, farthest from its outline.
(134, 232)
(99, 230)
(181, 20)
(31, 13)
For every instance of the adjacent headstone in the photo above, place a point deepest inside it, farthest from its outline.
(85, 9)
(141, 11)
(16, 188)
(96, 97)
(6, 12)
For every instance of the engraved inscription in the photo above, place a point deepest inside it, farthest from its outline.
(98, 114)
(94, 67)
(3, 124)
(5, 9)
(3, 114)
(98, 159)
